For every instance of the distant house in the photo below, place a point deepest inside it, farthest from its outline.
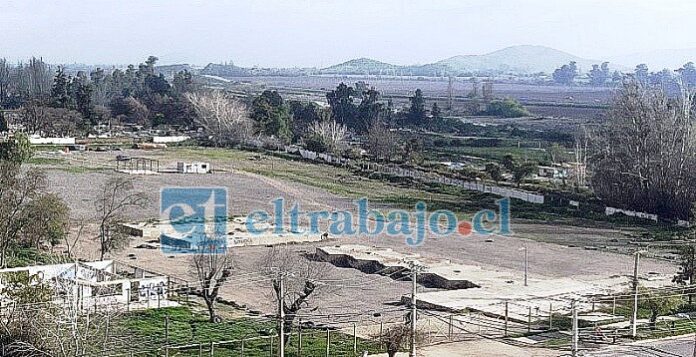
(193, 168)
(38, 140)
(169, 139)
(565, 171)
(554, 172)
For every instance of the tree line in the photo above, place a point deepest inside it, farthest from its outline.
(600, 75)
(53, 102)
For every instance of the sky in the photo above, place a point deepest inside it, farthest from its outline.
(314, 33)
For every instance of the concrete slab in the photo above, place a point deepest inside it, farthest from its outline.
(488, 291)
(237, 235)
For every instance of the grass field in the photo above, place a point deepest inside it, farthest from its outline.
(184, 326)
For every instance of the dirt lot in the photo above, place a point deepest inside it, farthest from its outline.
(350, 290)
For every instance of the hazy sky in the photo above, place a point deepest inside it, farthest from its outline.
(321, 33)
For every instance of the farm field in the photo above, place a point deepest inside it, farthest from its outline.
(578, 102)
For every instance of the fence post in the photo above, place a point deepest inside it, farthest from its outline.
(451, 326)
(328, 342)
(506, 319)
(381, 333)
(166, 335)
(212, 348)
(299, 338)
(200, 350)
(243, 347)
(355, 338)
(271, 346)
(529, 320)
(550, 315)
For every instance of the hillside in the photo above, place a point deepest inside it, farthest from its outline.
(361, 66)
(517, 59)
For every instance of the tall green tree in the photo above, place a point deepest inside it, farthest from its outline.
(60, 96)
(599, 74)
(416, 112)
(82, 97)
(4, 127)
(566, 74)
(304, 114)
(435, 112)
(16, 150)
(370, 111)
(271, 115)
(343, 108)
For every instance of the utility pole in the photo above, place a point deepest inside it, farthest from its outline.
(450, 89)
(281, 309)
(526, 264)
(634, 317)
(575, 329)
(414, 311)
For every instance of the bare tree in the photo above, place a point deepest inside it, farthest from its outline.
(115, 197)
(300, 282)
(643, 158)
(382, 143)
(580, 152)
(28, 215)
(212, 271)
(4, 80)
(394, 338)
(224, 118)
(333, 134)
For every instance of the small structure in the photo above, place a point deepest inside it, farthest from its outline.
(169, 139)
(100, 283)
(193, 168)
(554, 172)
(38, 140)
(137, 165)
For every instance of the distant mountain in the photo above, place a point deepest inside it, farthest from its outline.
(361, 66)
(517, 59)
(230, 70)
(511, 60)
(658, 59)
(225, 70)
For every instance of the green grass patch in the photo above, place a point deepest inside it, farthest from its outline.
(22, 257)
(183, 326)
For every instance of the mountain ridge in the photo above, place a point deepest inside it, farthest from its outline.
(520, 59)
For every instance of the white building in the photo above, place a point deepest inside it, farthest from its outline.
(193, 168)
(100, 283)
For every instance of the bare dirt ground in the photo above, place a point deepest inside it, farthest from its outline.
(248, 192)
(346, 291)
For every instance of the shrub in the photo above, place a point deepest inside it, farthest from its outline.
(507, 108)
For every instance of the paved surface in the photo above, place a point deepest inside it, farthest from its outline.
(668, 347)
(480, 348)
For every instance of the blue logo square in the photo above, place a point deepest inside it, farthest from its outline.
(194, 220)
